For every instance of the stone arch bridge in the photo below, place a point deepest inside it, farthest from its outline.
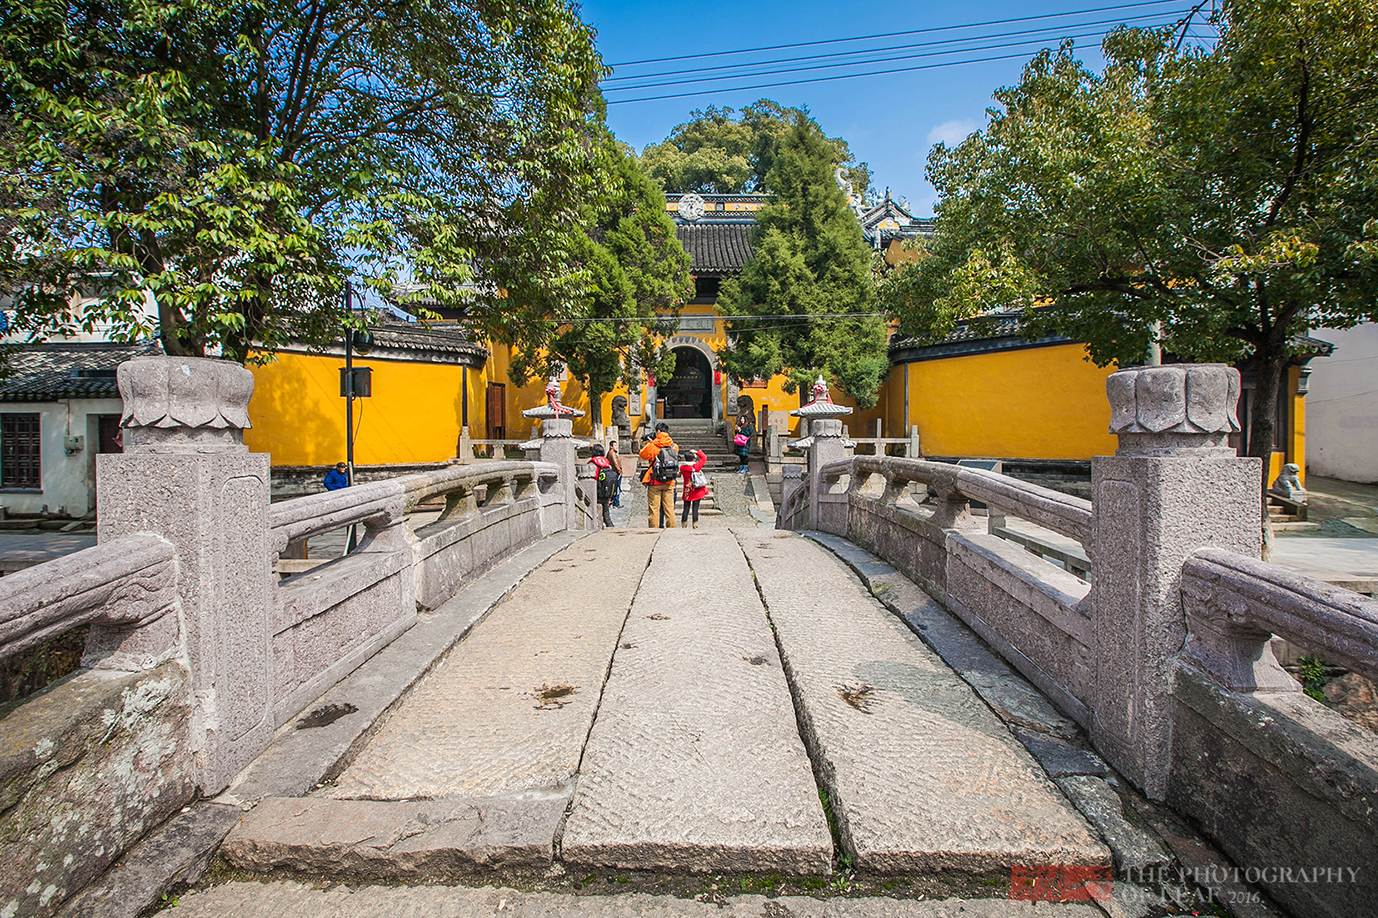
(495, 706)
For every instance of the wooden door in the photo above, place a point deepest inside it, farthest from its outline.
(497, 411)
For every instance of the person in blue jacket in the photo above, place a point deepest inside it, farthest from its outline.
(336, 478)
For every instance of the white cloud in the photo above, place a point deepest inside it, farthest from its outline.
(951, 132)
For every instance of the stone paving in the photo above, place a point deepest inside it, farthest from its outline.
(695, 760)
(508, 711)
(923, 776)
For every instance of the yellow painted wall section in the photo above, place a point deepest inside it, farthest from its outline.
(299, 417)
(1296, 446)
(1033, 403)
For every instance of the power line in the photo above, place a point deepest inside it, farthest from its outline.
(928, 31)
(1043, 31)
(716, 316)
(1028, 43)
(826, 79)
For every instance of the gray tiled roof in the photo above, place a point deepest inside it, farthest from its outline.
(48, 372)
(442, 337)
(716, 248)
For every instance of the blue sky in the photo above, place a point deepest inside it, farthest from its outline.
(891, 121)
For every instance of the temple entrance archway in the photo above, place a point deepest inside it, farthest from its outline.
(692, 392)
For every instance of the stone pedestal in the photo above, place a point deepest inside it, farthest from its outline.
(1173, 486)
(186, 475)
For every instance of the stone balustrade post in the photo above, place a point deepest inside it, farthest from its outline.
(186, 475)
(1173, 486)
(559, 446)
(828, 445)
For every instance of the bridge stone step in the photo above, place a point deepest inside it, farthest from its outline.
(695, 762)
(277, 899)
(922, 775)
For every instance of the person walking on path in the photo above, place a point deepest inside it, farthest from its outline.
(742, 441)
(663, 456)
(336, 478)
(615, 460)
(695, 486)
(606, 479)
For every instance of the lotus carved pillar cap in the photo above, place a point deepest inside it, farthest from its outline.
(184, 404)
(1177, 409)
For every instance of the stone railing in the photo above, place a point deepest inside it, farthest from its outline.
(94, 761)
(1274, 776)
(1163, 656)
(200, 652)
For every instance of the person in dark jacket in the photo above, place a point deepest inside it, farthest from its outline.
(337, 477)
(606, 479)
(693, 493)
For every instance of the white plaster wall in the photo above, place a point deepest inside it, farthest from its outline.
(68, 481)
(1342, 406)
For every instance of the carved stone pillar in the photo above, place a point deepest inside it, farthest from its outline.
(186, 475)
(826, 442)
(1173, 486)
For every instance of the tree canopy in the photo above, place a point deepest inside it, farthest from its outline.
(1219, 202)
(808, 285)
(233, 161)
(637, 278)
(723, 151)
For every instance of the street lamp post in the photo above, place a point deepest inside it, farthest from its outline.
(363, 342)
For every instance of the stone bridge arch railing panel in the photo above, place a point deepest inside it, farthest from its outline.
(1163, 655)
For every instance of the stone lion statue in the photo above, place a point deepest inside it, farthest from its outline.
(620, 419)
(1288, 484)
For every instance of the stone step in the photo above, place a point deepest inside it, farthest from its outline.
(922, 775)
(490, 739)
(695, 762)
(301, 900)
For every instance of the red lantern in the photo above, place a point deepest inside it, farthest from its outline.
(717, 377)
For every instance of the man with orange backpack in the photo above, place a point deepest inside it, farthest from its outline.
(663, 456)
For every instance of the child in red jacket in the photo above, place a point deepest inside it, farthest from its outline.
(693, 492)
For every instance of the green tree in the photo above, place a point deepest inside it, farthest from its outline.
(1218, 203)
(637, 277)
(233, 161)
(808, 285)
(722, 151)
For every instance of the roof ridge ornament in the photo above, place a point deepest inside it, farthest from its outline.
(691, 207)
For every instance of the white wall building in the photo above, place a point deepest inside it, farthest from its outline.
(59, 407)
(1342, 407)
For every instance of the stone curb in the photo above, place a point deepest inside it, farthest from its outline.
(300, 758)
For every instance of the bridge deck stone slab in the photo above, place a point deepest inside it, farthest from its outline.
(276, 899)
(695, 762)
(510, 707)
(922, 775)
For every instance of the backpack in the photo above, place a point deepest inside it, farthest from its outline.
(604, 484)
(665, 466)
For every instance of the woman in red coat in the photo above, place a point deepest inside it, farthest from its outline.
(693, 493)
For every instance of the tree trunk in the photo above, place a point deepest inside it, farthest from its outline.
(596, 414)
(1263, 432)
